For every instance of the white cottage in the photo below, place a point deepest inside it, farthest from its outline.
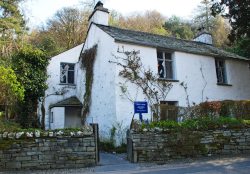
(224, 75)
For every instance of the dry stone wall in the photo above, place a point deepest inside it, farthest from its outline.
(161, 146)
(46, 150)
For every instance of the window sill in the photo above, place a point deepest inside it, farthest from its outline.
(224, 84)
(67, 84)
(168, 80)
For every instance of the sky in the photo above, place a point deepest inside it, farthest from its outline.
(38, 11)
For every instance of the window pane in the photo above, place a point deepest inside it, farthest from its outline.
(168, 56)
(220, 71)
(71, 66)
(63, 79)
(160, 68)
(71, 77)
(159, 55)
(67, 73)
(169, 69)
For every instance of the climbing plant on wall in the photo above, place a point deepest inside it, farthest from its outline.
(133, 71)
(87, 62)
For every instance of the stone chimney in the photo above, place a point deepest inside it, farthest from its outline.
(203, 36)
(100, 15)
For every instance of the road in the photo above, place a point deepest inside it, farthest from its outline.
(116, 164)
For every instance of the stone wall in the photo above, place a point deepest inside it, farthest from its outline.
(46, 150)
(160, 146)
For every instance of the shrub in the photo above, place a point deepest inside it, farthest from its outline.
(201, 123)
(227, 108)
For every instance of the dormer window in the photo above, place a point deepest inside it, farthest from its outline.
(165, 65)
(67, 73)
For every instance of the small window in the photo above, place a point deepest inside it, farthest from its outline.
(221, 71)
(168, 110)
(52, 117)
(165, 65)
(67, 75)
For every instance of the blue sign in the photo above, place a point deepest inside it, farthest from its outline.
(140, 107)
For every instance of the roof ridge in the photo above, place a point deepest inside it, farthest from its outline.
(158, 35)
(156, 40)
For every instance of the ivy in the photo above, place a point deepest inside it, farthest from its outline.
(87, 61)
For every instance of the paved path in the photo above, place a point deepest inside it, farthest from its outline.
(116, 164)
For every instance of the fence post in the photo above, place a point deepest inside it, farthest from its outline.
(96, 134)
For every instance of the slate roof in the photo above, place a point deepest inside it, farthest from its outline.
(170, 43)
(72, 101)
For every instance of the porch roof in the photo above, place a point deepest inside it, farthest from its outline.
(72, 101)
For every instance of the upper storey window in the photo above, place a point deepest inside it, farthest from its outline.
(165, 65)
(67, 73)
(221, 71)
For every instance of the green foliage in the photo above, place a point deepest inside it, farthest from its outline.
(150, 21)
(88, 60)
(30, 65)
(201, 123)
(238, 109)
(65, 30)
(203, 16)
(44, 41)
(108, 146)
(12, 26)
(241, 47)
(10, 89)
(178, 28)
(8, 126)
(238, 14)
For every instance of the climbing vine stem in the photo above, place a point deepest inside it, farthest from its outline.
(87, 63)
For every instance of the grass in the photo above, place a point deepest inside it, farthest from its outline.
(8, 126)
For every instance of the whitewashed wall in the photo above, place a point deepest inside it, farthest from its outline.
(58, 118)
(187, 69)
(110, 107)
(54, 87)
(103, 105)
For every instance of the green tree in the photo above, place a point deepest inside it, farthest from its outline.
(43, 40)
(30, 65)
(150, 21)
(203, 16)
(217, 26)
(238, 13)
(178, 28)
(12, 26)
(11, 90)
(69, 27)
(220, 32)
(65, 30)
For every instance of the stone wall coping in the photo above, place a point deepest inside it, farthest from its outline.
(166, 130)
(84, 131)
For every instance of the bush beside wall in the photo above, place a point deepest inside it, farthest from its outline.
(228, 108)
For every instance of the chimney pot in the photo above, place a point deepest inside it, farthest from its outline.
(99, 4)
(100, 15)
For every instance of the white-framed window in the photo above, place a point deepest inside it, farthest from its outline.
(67, 73)
(221, 71)
(165, 65)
